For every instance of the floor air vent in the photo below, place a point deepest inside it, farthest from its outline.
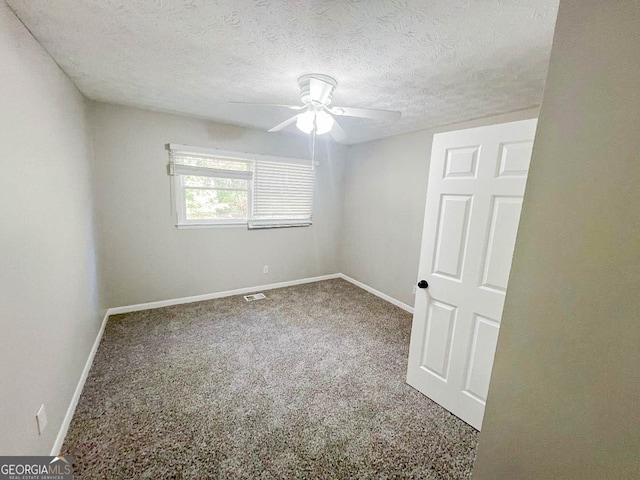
(255, 296)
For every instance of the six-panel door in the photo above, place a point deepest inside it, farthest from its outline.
(476, 183)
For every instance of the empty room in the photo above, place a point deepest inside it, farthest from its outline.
(320, 239)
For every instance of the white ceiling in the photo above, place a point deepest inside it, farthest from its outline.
(437, 61)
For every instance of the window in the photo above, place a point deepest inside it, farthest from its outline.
(214, 187)
(282, 193)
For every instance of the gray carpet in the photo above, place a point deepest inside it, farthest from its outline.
(308, 383)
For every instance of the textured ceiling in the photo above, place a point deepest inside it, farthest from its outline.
(437, 61)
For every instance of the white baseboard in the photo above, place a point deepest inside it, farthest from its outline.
(197, 298)
(377, 293)
(55, 451)
(211, 296)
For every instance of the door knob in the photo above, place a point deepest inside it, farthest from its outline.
(423, 284)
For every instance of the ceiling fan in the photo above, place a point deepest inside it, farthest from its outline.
(317, 116)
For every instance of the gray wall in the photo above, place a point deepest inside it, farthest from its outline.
(48, 294)
(564, 399)
(144, 258)
(385, 193)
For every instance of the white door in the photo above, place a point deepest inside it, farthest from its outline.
(474, 195)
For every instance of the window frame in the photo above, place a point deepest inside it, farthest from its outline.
(179, 188)
(181, 206)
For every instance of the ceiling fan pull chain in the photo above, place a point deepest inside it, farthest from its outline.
(313, 143)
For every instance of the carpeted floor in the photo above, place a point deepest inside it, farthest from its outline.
(307, 383)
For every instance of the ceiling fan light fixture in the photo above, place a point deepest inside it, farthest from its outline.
(305, 122)
(324, 122)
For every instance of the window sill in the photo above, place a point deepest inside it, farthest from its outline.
(191, 226)
(196, 226)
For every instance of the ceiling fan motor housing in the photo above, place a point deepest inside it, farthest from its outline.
(305, 91)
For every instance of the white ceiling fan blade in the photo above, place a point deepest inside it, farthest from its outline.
(337, 132)
(365, 113)
(255, 104)
(287, 122)
(319, 91)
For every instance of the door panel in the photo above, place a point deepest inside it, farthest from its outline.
(514, 159)
(441, 320)
(461, 162)
(453, 224)
(474, 197)
(501, 242)
(485, 339)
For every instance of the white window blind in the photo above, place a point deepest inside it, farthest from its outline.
(215, 187)
(282, 193)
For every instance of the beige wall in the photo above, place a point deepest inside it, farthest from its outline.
(565, 392)
(144, 258)
(385, 193)
(48, 294)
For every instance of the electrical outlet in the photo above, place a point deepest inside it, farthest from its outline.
(41, 419)
(265, 269)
